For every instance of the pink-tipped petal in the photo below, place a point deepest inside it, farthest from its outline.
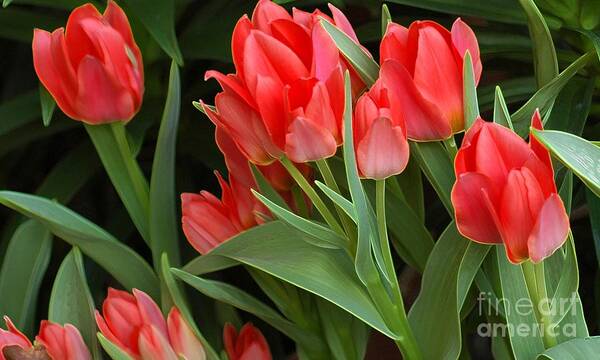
(383, 152)
(154, 345)
(182, 338)
(306, 141)
(149, 311)
(464, 39)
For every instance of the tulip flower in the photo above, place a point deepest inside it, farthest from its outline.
(64, 343)
(94, 68)
(505, 193)
(380, 138)
(12, 337)
(287, 95)
(429, 69)
(136, 325)
(249, 344)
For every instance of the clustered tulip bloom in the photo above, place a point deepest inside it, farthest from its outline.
(505, 193)
(380, 133)
(136, 325)
(93, 69)
(249, 344)
(287, 95)
(430, 73)
(58, 342)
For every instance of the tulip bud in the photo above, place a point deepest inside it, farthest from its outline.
(94, 68)
(248, 344)
(182, 338)
(425, 62)
(64, 343)
(12, 337)
(154, 345)
(505, 193)
(379, 135)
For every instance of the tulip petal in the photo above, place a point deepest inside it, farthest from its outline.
(231, 84)
(271, 107)
(307, 141)
(550, 230)
(464, 39)
(99, 98)
(394, 45)
(117, 19)
(154, 345)
(150, 312)
(78, 43)
(265, 13)
(326, 57)
(54, 70)
(238, 43)
(383, 151)
(538, 148)
(295, 37)
(182, 338)
(473, 199)
(341, 22)
(438, 76)
(423, 119)
(319, 110)
(12, 337)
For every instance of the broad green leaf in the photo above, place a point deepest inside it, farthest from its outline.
(111, 349)
(501, 114)
(572, 106)
(361, 61)
(578, 154)
(386, 18)
(16, 23)
(178, 297)
(19, 111)
(594, 36)
(545, 62)
(240, 299)
(71, 301)
(274, 248)
(471, 108)
(410, 182)
(576, 349)
(593, 202)
(29, 133)
(568, 283)
(158, 16)
(515, 90)
(494, 10)
(437, 167)
(163, 226)
(129, 268)
(48, 105)
(524, 346)
(26, 260)
(435, 315)
(544, 98)
(346, 335)
(319, 235)
(123, 170)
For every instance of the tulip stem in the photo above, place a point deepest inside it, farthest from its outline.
(312, 195)
(535, 280)
(347, 223)
(451, 148)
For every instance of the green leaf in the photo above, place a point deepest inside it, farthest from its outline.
(48, 105)
(346, 335)
(238, 298)
(501, 114)
(579, 155)
(158, 16)
(593, 202)
(594, 37)
(112, 350)
(435, 315)
(544, 98)
(576, 349)
(26, 260)
(471, 108)
(545, 62)
(515, 90)
(386, 18)
(410, 182)
(19, 111)
(572, 106)
(178, 297)
(361, 61)
(71, 301)
(513, 289)
(274, 248)
(494, 10)
(164, 234)
(319, 235)
(437, 167)
(120, 261)
(339, 200)
(267, 189)
(123, 170)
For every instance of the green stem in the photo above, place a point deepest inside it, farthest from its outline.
(451, 148)
(312, 195)
(536, 285)
(347, 223)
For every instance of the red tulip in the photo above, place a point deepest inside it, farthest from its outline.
(249, 344)
(379, 135)
(182, 338)
(12, 337)
(505, 193)
(94, 69)
(64, 343)
(154, 345)
(287, 95)
(429, 70)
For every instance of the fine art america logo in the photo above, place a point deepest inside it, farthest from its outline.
(560, 311)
